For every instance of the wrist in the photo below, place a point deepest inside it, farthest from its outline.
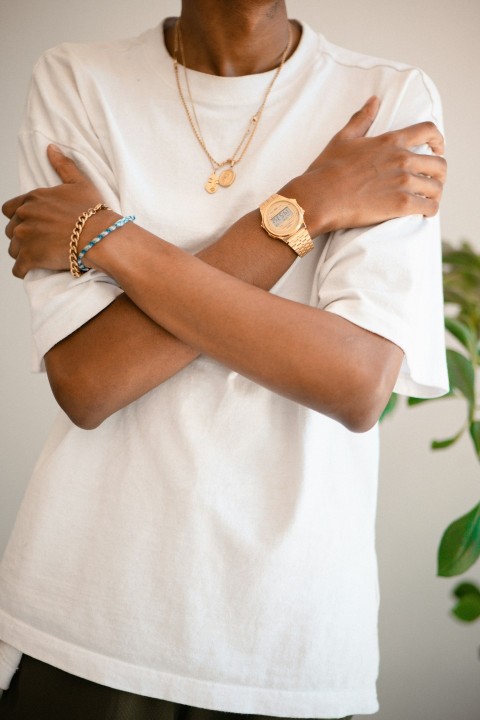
(96, 224)
(300, 190)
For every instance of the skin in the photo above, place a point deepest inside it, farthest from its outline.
(310, 356)
(233, 38)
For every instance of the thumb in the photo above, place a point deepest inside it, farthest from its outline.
(360, 122)
(65, 168)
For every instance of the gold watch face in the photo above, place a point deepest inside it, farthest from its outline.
(282, 218)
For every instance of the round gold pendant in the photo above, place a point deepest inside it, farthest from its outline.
(211, 185)
(227, 177)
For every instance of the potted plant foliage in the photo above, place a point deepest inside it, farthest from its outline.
(459, 546)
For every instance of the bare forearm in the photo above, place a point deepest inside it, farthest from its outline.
(295, 350)
(122, 353)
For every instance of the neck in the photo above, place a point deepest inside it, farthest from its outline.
(228, 38)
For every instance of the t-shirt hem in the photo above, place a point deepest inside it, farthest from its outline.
(122, 675)
(9, 660)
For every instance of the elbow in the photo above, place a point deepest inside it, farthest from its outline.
(77, 395)
(361, 420)
(359, 398)
(366, 383)
(85, 415)
(83, 418)
(363, 409)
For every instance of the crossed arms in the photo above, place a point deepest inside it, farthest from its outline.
(176, 306)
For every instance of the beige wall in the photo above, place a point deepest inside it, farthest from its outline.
(430, 665)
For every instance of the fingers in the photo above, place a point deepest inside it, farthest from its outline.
(10, 228)
(65, 168)
(429, 188)
(418, 205)
(426, 187)
(431, 165)
(13, 248)
(360, 122)
(424, 133)
(10, 207)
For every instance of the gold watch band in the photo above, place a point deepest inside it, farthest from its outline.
(301, 242)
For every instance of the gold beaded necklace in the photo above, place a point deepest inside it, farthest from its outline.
(227, 176)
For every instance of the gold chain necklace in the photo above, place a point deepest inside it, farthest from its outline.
(227, 176)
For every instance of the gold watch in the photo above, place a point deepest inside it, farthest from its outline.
(282, 218)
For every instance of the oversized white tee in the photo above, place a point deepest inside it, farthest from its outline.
(213, 542)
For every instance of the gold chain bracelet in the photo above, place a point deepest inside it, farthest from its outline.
(75, 236)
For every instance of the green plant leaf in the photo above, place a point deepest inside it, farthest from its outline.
(460, 544)
(442, 444)
(465, 259)
(462, 332)
(461, 374)
(412, 401)
(458, 291)
(461, 284)
(390, 406)
(465, 588)
(467, 608)
(475, 435)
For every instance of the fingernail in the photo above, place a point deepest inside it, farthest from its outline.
(55, 148)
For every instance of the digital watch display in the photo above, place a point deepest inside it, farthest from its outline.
(282, 218)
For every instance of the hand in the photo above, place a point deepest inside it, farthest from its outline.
(358, 181)
(41, 221)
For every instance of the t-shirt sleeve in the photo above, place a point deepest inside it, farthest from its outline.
(387, 278)
(59, 303)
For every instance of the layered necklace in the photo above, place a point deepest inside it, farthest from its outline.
(222, 173)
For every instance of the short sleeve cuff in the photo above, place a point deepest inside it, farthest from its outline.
(60, 304)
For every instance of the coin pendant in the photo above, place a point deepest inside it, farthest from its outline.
(227, 177)
(212, 183)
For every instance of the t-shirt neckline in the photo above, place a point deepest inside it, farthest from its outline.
(233, 90)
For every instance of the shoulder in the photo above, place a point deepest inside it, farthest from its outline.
(351, 59)
(111, 57)
(406, 92)
(79, 79)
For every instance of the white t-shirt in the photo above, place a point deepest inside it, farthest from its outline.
(213, 543)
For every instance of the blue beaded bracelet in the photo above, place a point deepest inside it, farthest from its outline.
(115, 226)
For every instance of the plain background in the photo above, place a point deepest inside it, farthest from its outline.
(430, 666)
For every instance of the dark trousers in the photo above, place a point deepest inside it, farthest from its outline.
(41, 692)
